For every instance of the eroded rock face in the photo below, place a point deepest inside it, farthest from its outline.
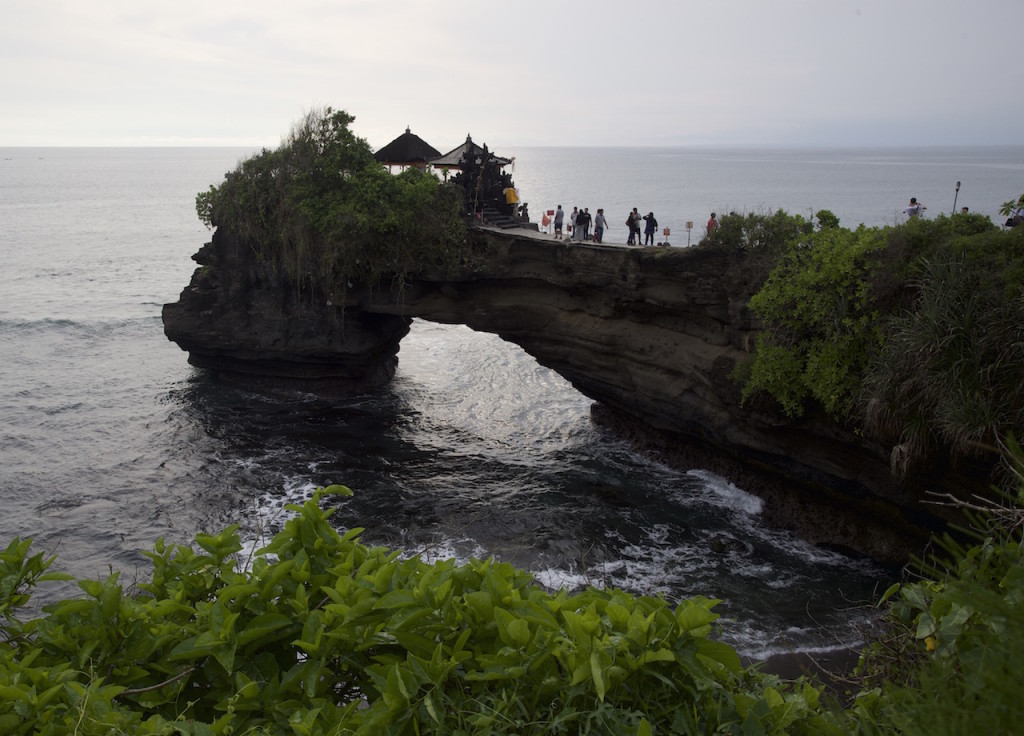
(244, 321)
(650, 334)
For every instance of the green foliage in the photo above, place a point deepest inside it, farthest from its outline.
(826, 219)
(758, 241)
(323, 635)
(820, 327)
(1011, 206)
(949, 376)
(321, 209)
(757, 232)
(958, 636)
(916, 332)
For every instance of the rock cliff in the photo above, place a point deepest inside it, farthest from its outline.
(651, 335)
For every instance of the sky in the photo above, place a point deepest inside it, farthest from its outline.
(525, 73)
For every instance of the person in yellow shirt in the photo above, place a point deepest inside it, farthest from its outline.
(512, 200)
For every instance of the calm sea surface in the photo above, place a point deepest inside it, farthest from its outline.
(109, 440)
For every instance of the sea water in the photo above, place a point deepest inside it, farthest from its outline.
(109, 439)
(870, 186)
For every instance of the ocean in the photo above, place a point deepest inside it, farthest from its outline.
(869, 186)
(111, 440)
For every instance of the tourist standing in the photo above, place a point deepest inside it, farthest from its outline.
(512, 201)
(630, 222)
(559, 220)
(650, 228)
(599, 225)
(634, 231)
(915, 208)
(712, 223)
(586, 223)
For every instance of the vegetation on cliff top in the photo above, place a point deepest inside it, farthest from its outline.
(912, 334)
(323, 211)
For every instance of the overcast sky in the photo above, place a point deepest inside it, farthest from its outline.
(550, 72)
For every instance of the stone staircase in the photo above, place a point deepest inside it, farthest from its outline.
(495, 218)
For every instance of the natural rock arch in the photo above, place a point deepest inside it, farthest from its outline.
(651, 335)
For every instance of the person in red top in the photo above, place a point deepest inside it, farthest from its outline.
(712, 224)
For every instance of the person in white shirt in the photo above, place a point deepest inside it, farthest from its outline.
(915, 208)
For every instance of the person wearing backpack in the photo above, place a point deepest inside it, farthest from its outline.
(633, 223)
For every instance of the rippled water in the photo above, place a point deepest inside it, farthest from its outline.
(110, 440)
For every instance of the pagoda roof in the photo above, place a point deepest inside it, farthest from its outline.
(407, 149)
(469, 149)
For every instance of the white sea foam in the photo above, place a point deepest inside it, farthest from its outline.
(727, 493)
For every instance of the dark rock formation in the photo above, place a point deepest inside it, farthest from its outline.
(247, 322)
(652, 335)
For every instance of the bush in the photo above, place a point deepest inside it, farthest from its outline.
(913, 334)
(323, 635)
(952, 664)
(819, 323)
(321, 209)
(949, 377)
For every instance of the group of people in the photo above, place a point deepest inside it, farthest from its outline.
(633, 221)
(577, 225)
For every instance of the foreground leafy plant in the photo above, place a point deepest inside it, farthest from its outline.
(324, 635)
(958, 633)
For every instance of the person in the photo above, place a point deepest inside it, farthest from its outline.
(559, 220)
(599, 225)
(572, 224)
(630, 224)
(634, 232)
(586, 223)
(712, 223)
(577, 227)
(512, 200)
(650, 228)
(964, 210)
(915, 208)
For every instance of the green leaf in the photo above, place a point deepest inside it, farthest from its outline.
(695, 618)
(595, 671)
(261, 626)
(719, 654)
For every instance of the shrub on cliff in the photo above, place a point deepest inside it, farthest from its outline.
(321, 209)
(820, 325)
(950, 375)
(913, 334)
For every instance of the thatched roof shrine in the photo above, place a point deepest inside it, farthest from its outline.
(407, 149)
